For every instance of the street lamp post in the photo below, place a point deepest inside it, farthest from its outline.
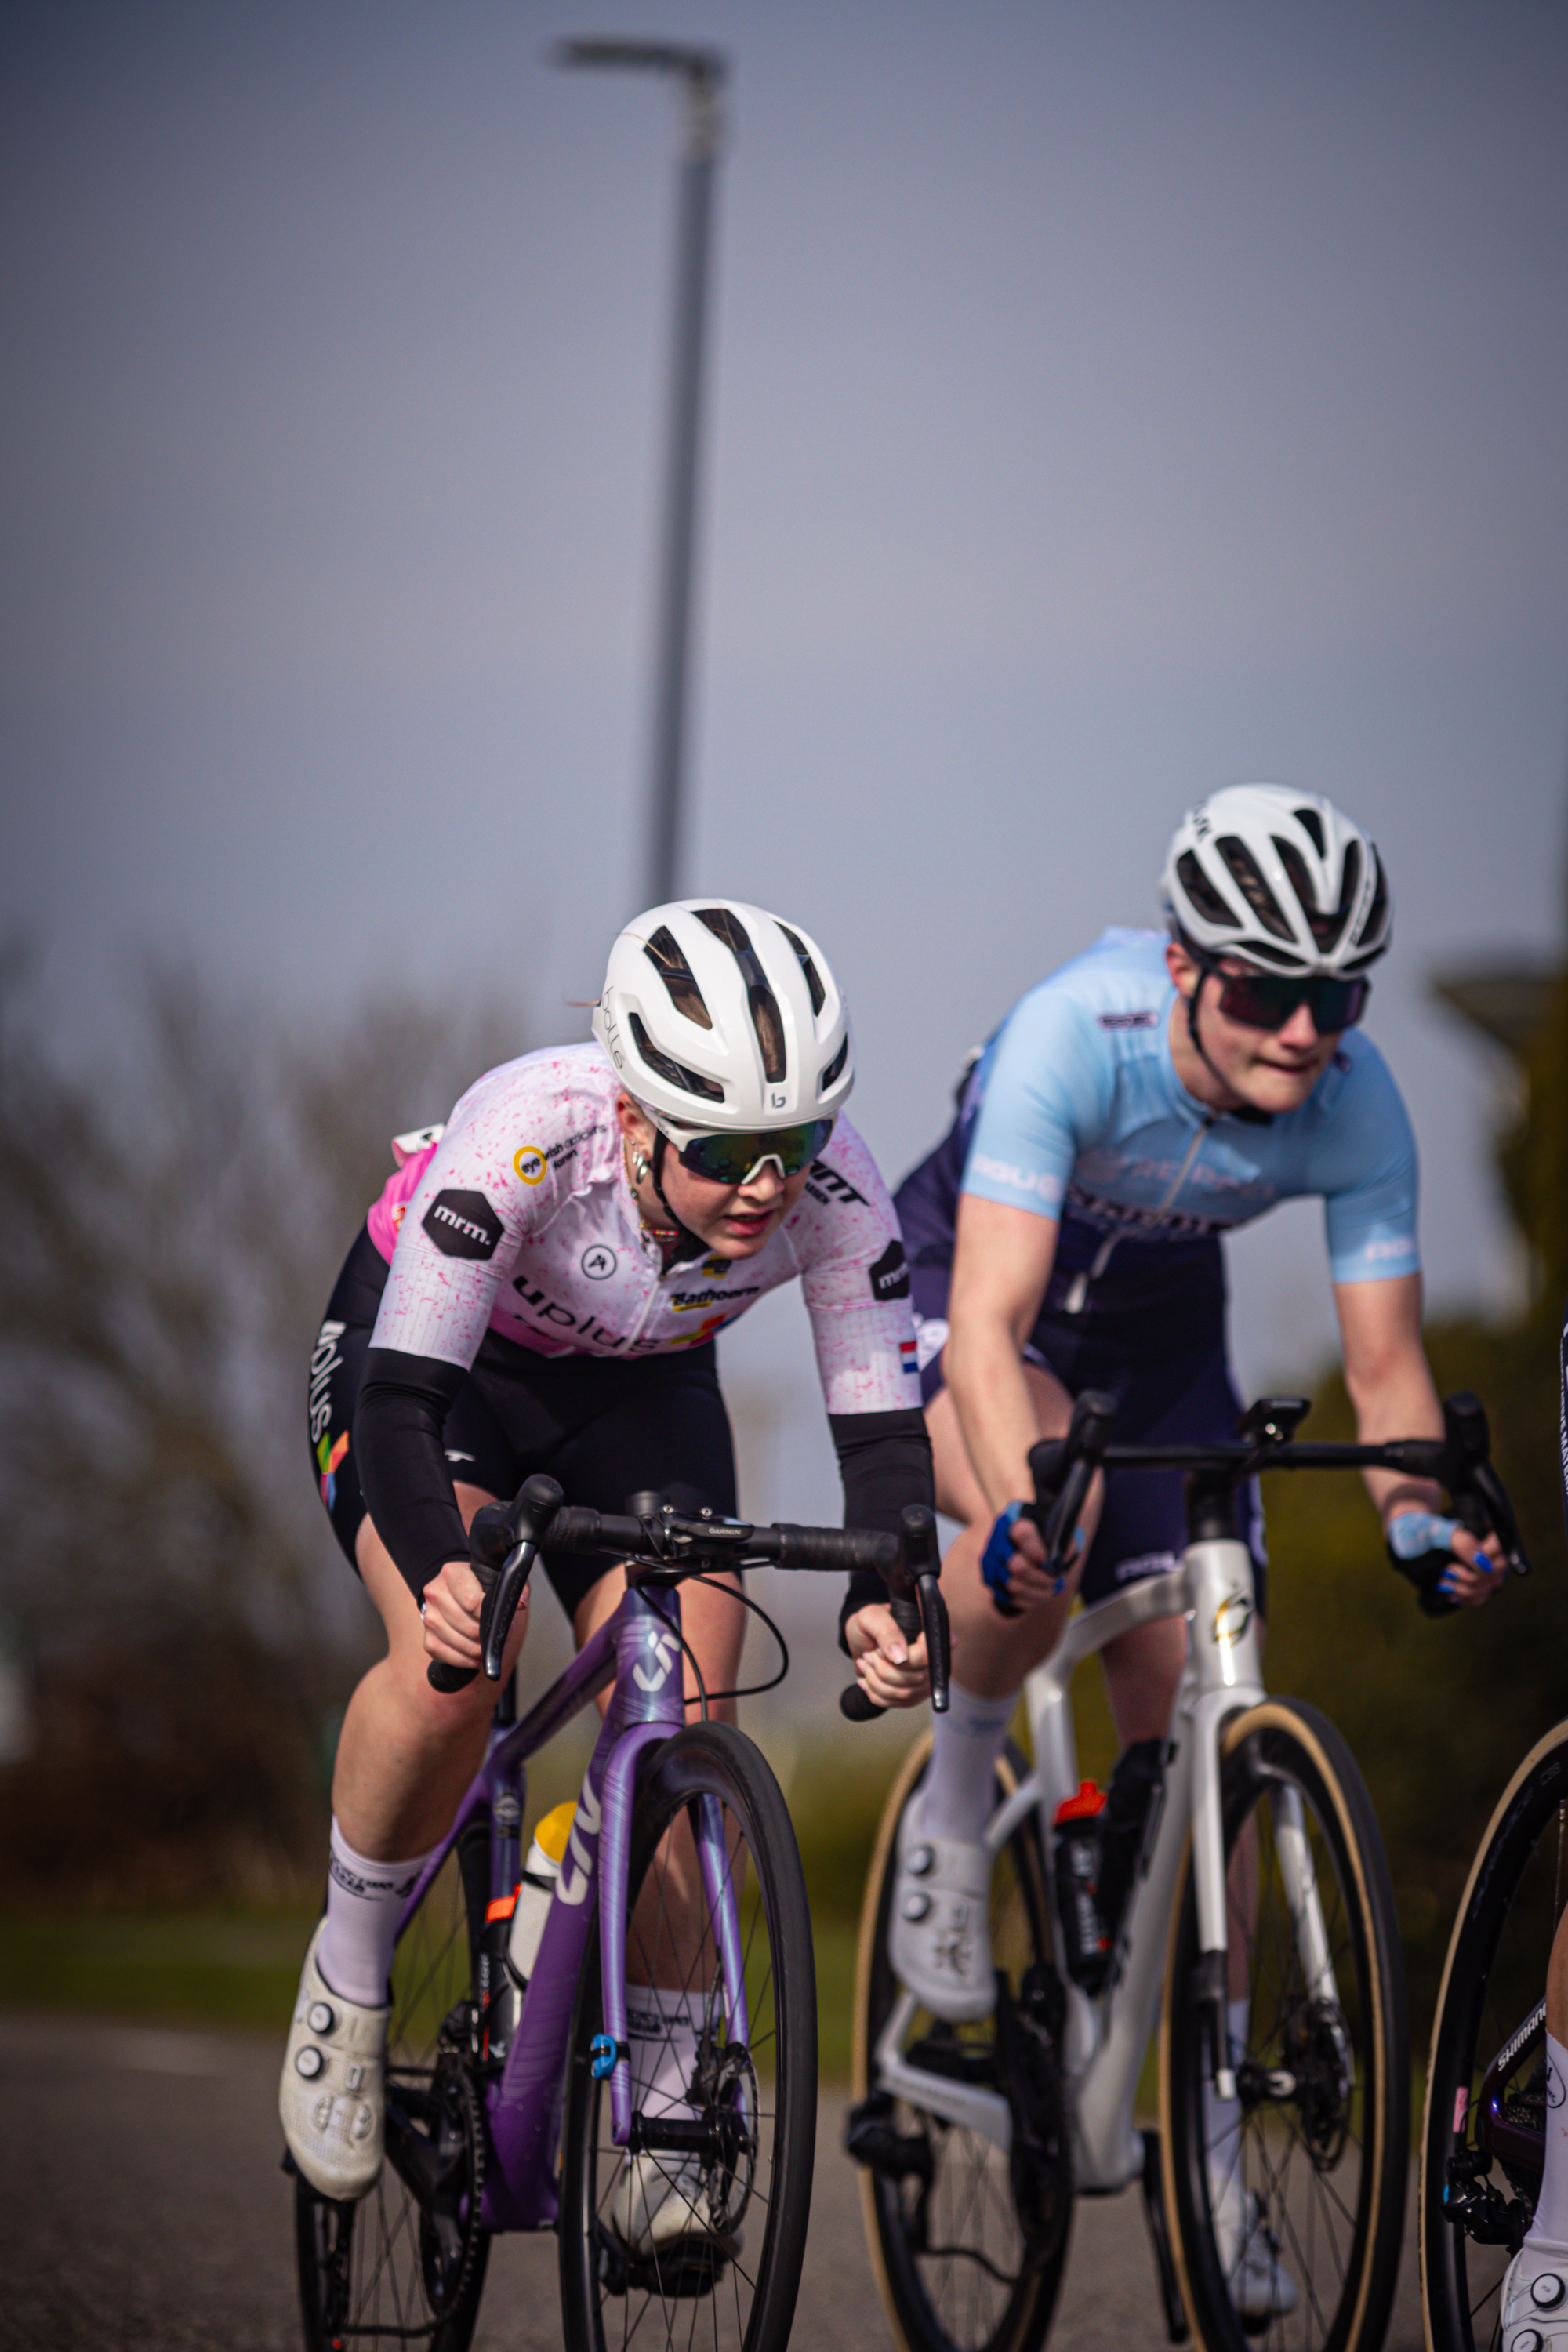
(701, 74)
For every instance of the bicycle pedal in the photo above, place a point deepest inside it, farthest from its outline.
(872, 2138)
(687, 2267)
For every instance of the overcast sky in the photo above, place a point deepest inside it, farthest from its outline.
(1106, 402)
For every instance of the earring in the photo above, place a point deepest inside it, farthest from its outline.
(639, 1167)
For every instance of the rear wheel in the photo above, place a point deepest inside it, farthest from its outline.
(388, 2267)
(699, 2236)
(1287, 2216)
(1481, 2136)
(968, 2244)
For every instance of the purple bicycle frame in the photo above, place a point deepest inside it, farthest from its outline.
(638, 1650)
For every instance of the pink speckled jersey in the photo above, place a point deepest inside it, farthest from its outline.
(520, 1218)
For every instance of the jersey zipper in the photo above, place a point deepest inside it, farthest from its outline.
(1079, 1292)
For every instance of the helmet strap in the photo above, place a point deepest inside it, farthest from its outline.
(688, 1244)
(1245, 1111)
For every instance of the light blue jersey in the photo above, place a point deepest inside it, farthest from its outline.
(1075, 1111)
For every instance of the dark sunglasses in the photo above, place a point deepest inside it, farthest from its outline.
(1266, 1000)
(735, 1158)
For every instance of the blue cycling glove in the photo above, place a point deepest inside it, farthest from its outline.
(994, 1560)
(999, 1549)
(1421, 1546)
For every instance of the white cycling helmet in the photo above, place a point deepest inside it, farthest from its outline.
(1282, 878)
(719, 1017)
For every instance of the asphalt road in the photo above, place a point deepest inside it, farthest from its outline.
(142, 2206)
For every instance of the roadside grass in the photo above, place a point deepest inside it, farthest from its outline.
(239, 1970)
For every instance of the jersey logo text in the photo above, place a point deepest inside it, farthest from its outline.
(890, 1274)
(462, 1224)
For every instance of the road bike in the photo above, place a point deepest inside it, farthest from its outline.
(1488, 2090)
(1254, 1873)
(510, 2103)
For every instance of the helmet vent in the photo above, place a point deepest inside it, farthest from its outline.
(1201, 890)
(663, 952)
(726, 925)
(813, 978)
(835, 1068)
(1325, 928)
(1247, 875)
(1311, 825)
(766, 1019)
(1377, 913)
(674, 1074)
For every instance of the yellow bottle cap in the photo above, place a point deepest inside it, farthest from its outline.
(552, 1834)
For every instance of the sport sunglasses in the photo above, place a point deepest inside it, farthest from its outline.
(735, 1158)
(1266, 1000)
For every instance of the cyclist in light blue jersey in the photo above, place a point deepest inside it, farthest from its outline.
(1134, 1107)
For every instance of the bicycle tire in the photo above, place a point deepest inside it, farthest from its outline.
(369, 2271)
(737, 2289)
(1326, 2158)
(980, 2291)
(1493, 1979)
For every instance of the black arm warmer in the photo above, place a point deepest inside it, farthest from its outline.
(403, 1405)
(885, 1462)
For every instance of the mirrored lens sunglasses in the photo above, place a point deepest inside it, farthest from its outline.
(1266, 1000)
(735, 1158)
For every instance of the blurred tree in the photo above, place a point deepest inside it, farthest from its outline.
(169, 1232)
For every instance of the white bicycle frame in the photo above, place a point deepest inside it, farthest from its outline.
(1106, 2036)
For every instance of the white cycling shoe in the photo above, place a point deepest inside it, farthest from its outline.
(660, 2203)
(333, 2097)
(1259, 2285)
(940, 1940)
(1535, 2299)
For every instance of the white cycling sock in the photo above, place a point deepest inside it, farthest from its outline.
(1550, 2226)
(960, 1790)
(1222, 2123)
(365, 1903)
(662, 2028)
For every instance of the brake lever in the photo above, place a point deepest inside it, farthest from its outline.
(939, 1640)
(1063, 1471)
(1476, 1490)
(503, 1544)
(915, 1598)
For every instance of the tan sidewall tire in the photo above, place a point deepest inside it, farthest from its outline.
(1273, 1714)
(1556, 1737)
(914, 1764)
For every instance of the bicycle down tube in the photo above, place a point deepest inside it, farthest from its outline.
(635, 1649)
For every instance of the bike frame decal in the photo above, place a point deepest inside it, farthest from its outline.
(633, 1649)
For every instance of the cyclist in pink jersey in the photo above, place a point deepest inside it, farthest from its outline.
(538, 1288)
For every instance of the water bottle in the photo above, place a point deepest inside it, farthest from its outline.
(1077, 1862)
(1130, 1806)
(536, 1889)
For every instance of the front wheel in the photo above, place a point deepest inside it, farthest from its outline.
(1488, 2084)
(1286, 2207)
(698, 2236)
